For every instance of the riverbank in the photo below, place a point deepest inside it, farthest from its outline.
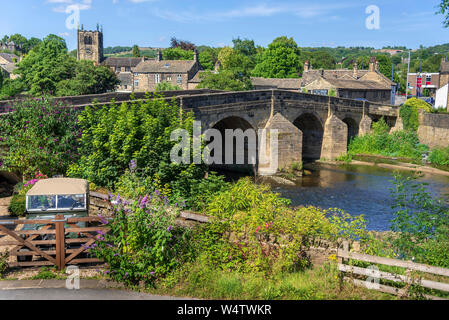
(390, 163)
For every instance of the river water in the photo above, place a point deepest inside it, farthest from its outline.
(355, 189)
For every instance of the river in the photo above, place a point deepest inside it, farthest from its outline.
(356, 189)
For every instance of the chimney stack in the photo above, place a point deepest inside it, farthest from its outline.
(372, 63)
(306, 66)
(159, 55)
(355, 71)
(196, 56)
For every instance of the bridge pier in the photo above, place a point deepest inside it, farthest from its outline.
(335, 139)
(365, 125)
(277, 154)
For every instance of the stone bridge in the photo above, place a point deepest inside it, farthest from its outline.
(309, 126)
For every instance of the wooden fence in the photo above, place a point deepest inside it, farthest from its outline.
(371, 277)
(51, 244)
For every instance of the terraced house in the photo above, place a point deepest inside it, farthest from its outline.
(8, 64)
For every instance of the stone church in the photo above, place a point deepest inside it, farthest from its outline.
(138, 74)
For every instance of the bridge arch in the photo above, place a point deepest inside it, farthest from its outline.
(248, 141)
(313, 131)
(353, 128)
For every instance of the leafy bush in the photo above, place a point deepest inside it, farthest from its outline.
(143, 243)
(17, 206)
(257, 231)
(167, 86)
(140, 131)
(40, 135)
(440, 156)
(421, 223)
(380, 142)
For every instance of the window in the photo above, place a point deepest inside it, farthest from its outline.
(179, 79)
(136, 83)
(127, 69)
(169, 78)
(157, 78)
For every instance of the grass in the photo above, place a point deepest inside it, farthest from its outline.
(319, 283)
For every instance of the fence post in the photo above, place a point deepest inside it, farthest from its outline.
(60, 241)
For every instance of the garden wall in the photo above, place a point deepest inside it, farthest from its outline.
(434, 130)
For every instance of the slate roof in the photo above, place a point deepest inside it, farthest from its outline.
(358, 84)
(9, 57)
(118, 62)
(312, 75)
(9, 68)
(286, 83)
(164, 66)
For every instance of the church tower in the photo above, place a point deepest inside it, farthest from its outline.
(90, 45)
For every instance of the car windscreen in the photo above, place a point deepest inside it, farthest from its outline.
(72, 202)
(57, 202)
(41, 203)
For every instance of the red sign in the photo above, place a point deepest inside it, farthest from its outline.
(419, 81)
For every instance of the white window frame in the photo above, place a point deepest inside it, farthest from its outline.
(157, 78)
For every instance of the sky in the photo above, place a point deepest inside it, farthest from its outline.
(152, 23)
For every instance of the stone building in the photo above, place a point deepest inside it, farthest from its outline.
(139, 74)
(354, 84)
(90, 45)
(182, 73)
(8, 64)
(420, 83)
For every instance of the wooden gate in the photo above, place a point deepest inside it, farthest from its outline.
(57, 249)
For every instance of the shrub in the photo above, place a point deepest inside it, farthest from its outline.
(257, 231)
(380, 142)
(143, 244)
(409, 112)
(140, 131)
(40, 135)
(421, 222)
(440, 156)
(17, 206)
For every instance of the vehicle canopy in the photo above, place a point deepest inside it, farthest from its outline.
(58, 195)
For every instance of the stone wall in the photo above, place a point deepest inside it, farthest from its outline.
(434, 129)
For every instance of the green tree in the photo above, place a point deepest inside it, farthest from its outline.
(224, 80)
(49, 69)
(139, 131)
(88, 79)
(136, 51)
(280, 60)
(246, 47)
(318, 59)
(177, 54)
(208, 58)
(444, 10)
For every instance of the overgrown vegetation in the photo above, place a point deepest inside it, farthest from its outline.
(421, 223)
(39, 135)
(380, 142)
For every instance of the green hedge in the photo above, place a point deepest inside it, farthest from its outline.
(17, 206)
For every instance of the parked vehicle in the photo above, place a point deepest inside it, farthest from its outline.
(57, 196)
